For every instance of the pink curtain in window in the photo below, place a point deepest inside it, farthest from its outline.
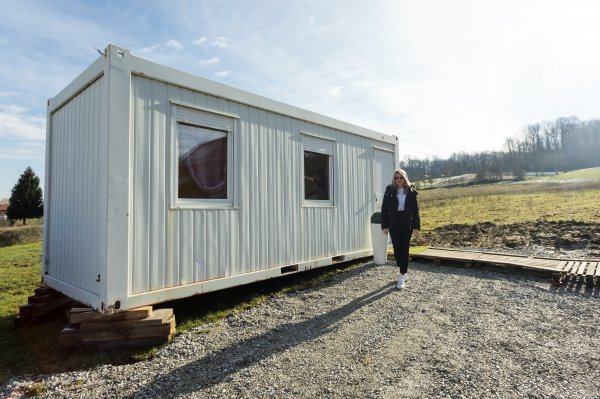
(206, 164)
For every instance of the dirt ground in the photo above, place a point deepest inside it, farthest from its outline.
(564, 237)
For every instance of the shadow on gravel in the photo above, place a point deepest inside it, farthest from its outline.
(198, 306)
(575, 285)
(217, 367)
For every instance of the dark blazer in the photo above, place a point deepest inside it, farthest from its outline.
(389, 208)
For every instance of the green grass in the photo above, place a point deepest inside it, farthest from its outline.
(20, 235)
(417, 249)
(581, 205)
(588, 174)
(567, 196)
(17, 223)
(20, 274)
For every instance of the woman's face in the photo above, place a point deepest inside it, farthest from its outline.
(398, 180)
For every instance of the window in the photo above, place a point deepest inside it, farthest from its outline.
(316, 176)
(202, 162)
(202, 168)
(318, 170)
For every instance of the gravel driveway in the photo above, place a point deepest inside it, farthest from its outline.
(451, 333)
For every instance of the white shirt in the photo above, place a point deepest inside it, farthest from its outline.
(401, 195)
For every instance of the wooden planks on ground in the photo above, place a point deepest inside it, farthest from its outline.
(582, 268)
(142, 326)
(87, 315)
(590, 273)
(489, 258)
(154, 318)
(45, 303)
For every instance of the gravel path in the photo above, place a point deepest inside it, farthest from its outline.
(451, 333)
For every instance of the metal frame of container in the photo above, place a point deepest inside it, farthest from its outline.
(116, 236)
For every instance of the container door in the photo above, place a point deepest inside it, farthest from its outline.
(383, 167)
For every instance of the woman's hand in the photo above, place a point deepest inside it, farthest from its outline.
(385, 231)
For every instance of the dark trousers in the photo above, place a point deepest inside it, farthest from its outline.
(401, 233)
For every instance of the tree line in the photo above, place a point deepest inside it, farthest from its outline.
(564, 144)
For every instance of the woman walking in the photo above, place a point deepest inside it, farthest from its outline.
(400, 218)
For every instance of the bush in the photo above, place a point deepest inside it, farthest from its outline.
(376, 218)
(481, 175)
(20, 235)
(519, 175)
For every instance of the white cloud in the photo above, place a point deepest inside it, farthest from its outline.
(7, 94)
(336, 91)
(147, 50)
(23, 151)
(200, 41)
(221, 42)
(16, 124)
(222, 74)
(174, 44)
(211, 61)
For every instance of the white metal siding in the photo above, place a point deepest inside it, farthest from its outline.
(109, 205)
(76, 218)
(269, 225)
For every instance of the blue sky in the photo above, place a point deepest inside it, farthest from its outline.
(444, 76)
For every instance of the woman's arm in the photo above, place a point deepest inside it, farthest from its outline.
(384, 211)
(416, 216)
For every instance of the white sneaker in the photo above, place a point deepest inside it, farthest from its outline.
(400, 284)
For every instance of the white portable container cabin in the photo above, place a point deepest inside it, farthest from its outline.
(161, 185)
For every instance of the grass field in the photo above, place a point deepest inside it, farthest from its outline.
(20, 235)
(582, 174)
(569, 196)
(30, 222)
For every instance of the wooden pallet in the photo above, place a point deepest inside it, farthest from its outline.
(45, 303)
(585, 269)
(143, 326)
(588, 269)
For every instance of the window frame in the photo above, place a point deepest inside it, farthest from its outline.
(320, 145)
(209, 119)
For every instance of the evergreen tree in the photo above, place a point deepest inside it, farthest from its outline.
(26, 198)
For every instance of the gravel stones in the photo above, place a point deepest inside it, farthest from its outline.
(451, 333)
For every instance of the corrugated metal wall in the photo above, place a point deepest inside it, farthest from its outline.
(269, 226)
(76, 218)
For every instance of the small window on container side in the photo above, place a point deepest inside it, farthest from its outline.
(316, 176)
(202, 162)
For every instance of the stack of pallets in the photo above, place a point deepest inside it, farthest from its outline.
(44, 303)
(142, 326)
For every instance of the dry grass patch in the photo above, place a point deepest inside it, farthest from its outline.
(512, 208)
(505, 203)
(582, 174)
(20, 235)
